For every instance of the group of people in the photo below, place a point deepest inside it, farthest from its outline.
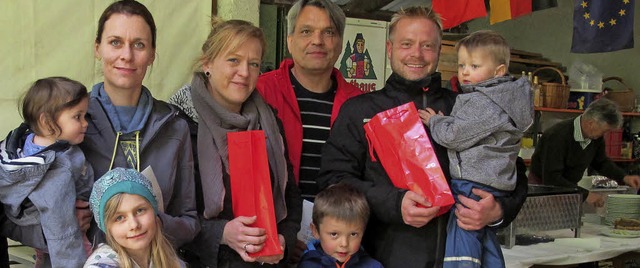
(72, 175)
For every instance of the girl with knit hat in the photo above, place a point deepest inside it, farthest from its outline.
(125, 208)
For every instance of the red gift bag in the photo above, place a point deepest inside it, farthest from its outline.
(251, 185)
(399, 139)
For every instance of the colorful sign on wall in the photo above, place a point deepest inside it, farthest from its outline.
(363, 58)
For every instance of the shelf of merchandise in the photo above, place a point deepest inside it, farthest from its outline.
(557, 110)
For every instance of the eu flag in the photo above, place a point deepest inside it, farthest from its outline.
(602, 26)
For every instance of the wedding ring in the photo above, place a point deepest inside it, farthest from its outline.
(245, 247)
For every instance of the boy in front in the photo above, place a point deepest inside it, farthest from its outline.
(340, 215)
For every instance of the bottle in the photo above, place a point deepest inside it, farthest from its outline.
(636, 146)
(538, 96)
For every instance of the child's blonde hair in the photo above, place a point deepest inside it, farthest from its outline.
(162, 252)
(490, 42)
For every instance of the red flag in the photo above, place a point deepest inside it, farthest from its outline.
(502, 10)
(455, 12)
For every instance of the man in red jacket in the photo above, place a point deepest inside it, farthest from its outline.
(307, 91)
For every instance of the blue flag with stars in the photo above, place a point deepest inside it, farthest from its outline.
(602, 26)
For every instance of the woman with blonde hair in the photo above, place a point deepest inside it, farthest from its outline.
(125, 208)
(221, 99)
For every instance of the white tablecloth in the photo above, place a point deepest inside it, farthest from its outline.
(591, 246)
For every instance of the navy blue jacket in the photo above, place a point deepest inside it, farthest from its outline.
(315, 257)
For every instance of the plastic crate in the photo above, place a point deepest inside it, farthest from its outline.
(613, 142)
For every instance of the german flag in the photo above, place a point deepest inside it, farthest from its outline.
(502, 10)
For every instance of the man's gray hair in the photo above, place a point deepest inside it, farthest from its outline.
(604, 111)
(333, 10)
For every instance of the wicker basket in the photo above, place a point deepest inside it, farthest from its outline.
(626, 98)
(555, 95)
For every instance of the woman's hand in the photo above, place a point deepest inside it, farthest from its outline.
(83, 215)
(242, 238)
(274, 259)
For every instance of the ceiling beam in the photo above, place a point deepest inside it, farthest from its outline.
(365, 6)
(381, 15)
(279, 2)
(361, 9)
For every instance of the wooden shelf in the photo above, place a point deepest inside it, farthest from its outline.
(630, 160)
(527, 162)
(536, 62)
(557, 110)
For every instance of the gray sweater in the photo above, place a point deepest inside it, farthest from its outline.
(39, 193)
(484, 130)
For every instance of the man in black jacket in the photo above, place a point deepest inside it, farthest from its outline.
(403, 230)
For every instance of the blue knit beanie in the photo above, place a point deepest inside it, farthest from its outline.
(115, 181)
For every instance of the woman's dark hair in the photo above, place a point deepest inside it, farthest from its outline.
(129, 7)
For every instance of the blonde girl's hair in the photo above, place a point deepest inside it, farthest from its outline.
(162, 252)
(228, 36)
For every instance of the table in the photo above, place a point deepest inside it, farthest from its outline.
(591, 246)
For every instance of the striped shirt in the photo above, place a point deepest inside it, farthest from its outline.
(315, 111)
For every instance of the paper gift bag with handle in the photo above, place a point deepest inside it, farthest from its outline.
(251, 185)
(401, 143)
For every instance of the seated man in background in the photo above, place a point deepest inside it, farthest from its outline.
(566, 150)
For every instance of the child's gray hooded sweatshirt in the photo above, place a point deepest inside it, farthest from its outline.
(484, 130)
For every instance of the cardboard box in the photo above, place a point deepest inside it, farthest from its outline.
(580, 100)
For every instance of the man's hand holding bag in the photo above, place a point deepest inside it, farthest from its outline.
(398, 138)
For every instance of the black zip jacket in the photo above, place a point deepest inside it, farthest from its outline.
(346, 158)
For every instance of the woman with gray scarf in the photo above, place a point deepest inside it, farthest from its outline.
(221, 99)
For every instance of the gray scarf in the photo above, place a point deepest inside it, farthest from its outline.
(214, 124)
